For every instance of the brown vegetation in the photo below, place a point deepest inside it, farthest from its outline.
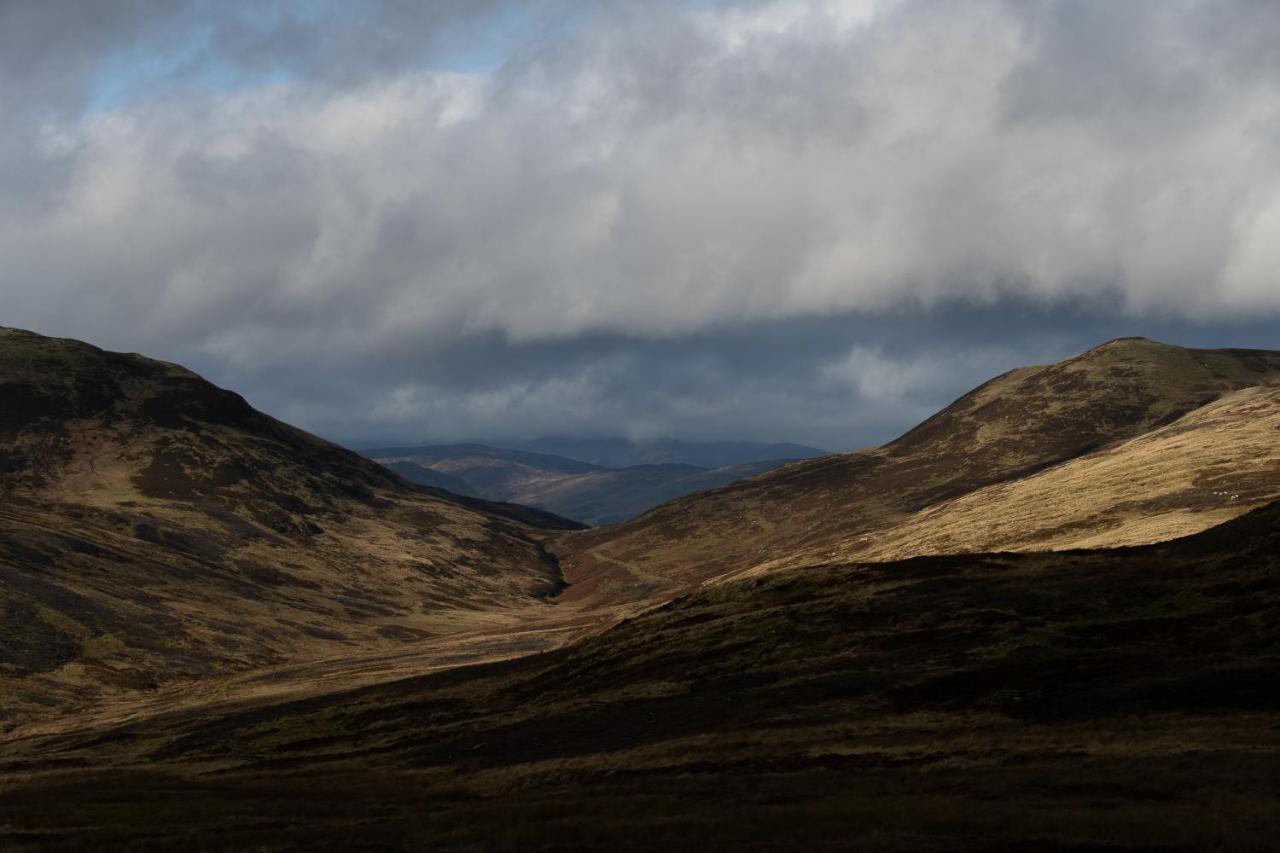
(1013, 427)
(155, 528)
(1108, 700)
(290, 647)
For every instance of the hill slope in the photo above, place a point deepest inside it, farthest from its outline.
(1203, 469)
(1014, 426)
(154, 527)
(566, 487)
(1103, 700)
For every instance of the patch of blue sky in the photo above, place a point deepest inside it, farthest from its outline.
(512, 28)
(485, 49)
(187, 53)
(130, 76)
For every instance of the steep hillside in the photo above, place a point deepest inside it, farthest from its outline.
(1013, 427)
(155, 528)
(1203, 469)
(1106, 700)
(566, 487)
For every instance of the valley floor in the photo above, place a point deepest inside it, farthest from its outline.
(1121, 700)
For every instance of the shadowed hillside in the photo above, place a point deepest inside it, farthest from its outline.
(154, 527)
(1013, 427)
(1108, 700)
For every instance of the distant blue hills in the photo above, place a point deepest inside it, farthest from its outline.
(593, 480)
(621, 452)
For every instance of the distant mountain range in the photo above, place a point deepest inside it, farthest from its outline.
(574, 484)
(610, 452)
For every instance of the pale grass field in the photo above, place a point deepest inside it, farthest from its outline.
(1215, 464)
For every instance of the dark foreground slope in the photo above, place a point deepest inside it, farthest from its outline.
(1087, 701)
(1016, 425)
(567, 487)
(155, 528)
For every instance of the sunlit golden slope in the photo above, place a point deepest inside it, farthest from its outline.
(1011, 428)
(1206, 468)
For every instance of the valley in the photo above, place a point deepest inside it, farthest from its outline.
(1065, 582)
(586, 492)
(945, 702)
(412, 418)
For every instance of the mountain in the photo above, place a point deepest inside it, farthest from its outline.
(256, 640)
(1014, 427)
(156, 529)
(566, 487)
(623, 453)
(423, 476)
(1202, 469)
(1115, 700)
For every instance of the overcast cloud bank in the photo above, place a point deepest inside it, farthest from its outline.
(608, 185)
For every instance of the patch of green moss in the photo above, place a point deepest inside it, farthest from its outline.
(101, 646)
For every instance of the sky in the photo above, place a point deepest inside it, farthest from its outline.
(401, 221)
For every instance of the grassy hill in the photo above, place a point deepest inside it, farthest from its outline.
(286, 645)
(156, 528)
(1113, 700)
(1205, 468)
(1014, 427)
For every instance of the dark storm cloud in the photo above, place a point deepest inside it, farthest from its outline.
(792, 220)
(841, 382)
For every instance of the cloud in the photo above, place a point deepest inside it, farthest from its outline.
(877, 377)
(374, 187)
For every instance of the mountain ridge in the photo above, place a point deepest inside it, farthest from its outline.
(567, 487)
(158, 528)
(1018, 424)
(613, 452)
(253, 634)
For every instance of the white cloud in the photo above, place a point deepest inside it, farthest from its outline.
(877, 377)
(916, 378)
(665, 174)
(658, 178)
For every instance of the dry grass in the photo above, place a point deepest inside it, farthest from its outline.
(1092, 701)
(288, 648)
(1002, 434)
(1214, 464)
(155, 530)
